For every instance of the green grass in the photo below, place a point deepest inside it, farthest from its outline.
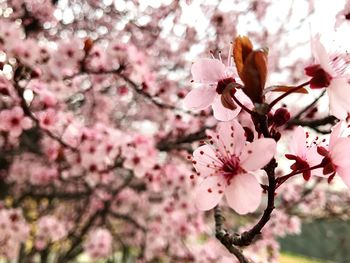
(290, 258)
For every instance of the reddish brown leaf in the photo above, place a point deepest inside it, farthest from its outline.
(286, 88)
(242, 47)
(251, 79)
(260, 59)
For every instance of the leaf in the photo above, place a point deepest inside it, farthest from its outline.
(254, 75)
(242, 47)
(251, 79)
(285, 89)
(260, 58)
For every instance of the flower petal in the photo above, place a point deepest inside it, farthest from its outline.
(229, 137)
(313, 158)
(339, 98)
(344, 174)
(321, 55)
(257, 154)
(221, 113)
(208, 193)
(201, 98)
(339, 153)
(243, 194)
(204, 156)
(336, 130)
(298, 146)
(206, 70)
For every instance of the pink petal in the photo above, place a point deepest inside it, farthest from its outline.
(208, 193)
(344, 174)
(229, 138)
(26, 123)
(206, 70)
(201, 98)
(18, 112)
(244, 99)
(298, 146)
(335, 134)
(232, 135)
(257, 154)
(339, 152)
(221, 113)
(244, 193)
(321, 55)
(339, 98)
(313, 158)
(203, 156)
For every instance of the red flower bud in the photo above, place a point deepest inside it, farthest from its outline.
(251, 67)
(281, 116)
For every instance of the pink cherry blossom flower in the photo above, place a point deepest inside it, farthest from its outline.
(228, 168)
(48, 118)
(214, 77)
(343, 16)
(14, 121)
(99, 243)
(336, 157)
(330, 71)
(304, 156)
(43, 176)
(49, 229)
(140, 155)
(14, 232)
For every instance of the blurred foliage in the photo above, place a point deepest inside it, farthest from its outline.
(323, 239)
(289, 258)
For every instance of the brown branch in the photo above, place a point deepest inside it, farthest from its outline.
(225, 238)
(177, 143)
(248, 237)
(53, 195)
(292, 90)
(309, 106)
(314, 124)
(75, 248)
(133, 85)
(128, 219)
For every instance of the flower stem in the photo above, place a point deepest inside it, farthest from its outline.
(282, 179)
(275, 101)
(241, 105)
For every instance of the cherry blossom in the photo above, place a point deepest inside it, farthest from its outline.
(228, 169)
(99, 243)
(330, 71)
(305, 156)
(50, 229)
(94, 135)
(14, 121)
(14, 232)
(343, 16)
(336, 159)
(140, 155)
(214, 77)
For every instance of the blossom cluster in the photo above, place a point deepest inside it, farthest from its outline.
(99, 119)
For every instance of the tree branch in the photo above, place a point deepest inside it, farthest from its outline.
(225, 238)
(170, 144)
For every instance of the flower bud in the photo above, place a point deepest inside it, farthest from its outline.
(281, 117)
(88, 44)
(251, 67)
(249, 134)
